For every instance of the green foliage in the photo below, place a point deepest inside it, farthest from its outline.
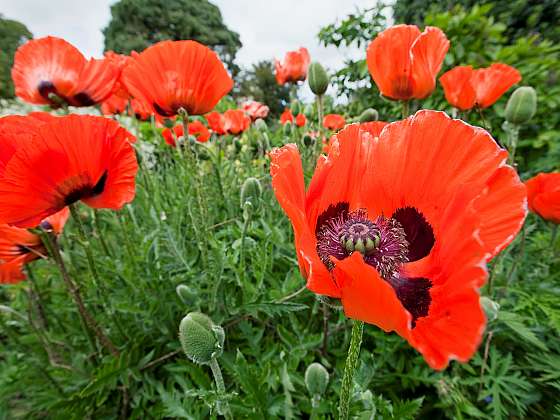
(12, 35)
(259, 83)
(521, 17)
(137, 24)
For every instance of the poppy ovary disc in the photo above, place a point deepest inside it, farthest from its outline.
(360, 235)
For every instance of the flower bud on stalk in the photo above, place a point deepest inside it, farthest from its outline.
(316, 379)
(201, 339)
(251, 191)
(491, 308)
(318, 79)
(288, 128)
(260, 124)
(368, 115)
(295, 107)
(522, 105)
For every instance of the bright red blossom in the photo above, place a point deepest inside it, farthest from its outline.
(294, 67)
(61, 161)
(404, 62)
(403, 242)
(334, 122)
(287, 116)
(196, 129)
(171, 75)
(255, 109)
(466, 88)
(233, 121)
(19, 246)
(543, 192)
(50, 70)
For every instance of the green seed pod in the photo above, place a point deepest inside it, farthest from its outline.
(316, 379)
(295, 107)
(187, 296)
(308, 110)
(490, 308)
(288, 128)
(368, 115)
(318, 79)
(251, 191)
(261, 125)
(202, 341)
(521, 105)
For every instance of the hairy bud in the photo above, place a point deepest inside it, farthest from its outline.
(318, 79)
(316, 379)
(521, 105)
(201, 339)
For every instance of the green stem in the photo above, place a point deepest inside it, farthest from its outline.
(320, 113)
(405, 109)
(349, 369)
(50, 243)
(222, 404)
(38, 298)
(513, 137)
(246, 221)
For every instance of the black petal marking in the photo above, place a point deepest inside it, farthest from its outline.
(414, 294)
(419, 233)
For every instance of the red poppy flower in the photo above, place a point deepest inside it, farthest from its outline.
(334, 122)
(543, 193)
(399, 227)
(286, 116)
(404, 62)
(466, 88)
(19, 246)
(71, 158)
(236, 121)
(255, 109)
(301, 120)
(294, 67)
(196, 129)
(171, 75)
(50, 66)
(216, 122)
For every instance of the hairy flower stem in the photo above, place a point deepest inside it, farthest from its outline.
(222, 404)
(37, 298)
(513, 137)
(199, 216)
(320, 113)
(405, 109)
(50, 243)
(349, 369)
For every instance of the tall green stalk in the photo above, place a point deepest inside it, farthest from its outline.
(350, 368)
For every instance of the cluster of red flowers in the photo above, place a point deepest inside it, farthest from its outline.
(288, 117)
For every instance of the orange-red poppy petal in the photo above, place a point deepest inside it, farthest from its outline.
(428, 52)
(71, 158)
(287, 180)
(171, 75)
(543, 193)
(492, 82)
(458, 88)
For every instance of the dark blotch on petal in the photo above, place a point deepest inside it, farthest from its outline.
(45, 88)
(162, 111)
(414, 294)
(419, 233)
(331, 212)
(100, 186)
(83, 99)
(86, 191)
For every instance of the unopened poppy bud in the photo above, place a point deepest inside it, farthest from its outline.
(295, 107)
(288, 128)
(368, 115)
(261, 124)
(251, 191)
(490, 308)
(201, 339)
(318, 79)
(521, 105)
(308, 110)
(168, 123)
(307, 140)
(316, 379)
(186, 294)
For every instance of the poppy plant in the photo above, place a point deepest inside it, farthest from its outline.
(399, 224)
(196, 129)
(233, 121)
(62, 161)
(172, 76)
(466, 88)
(255, 109)
(334, 122)
(404, 62)
(20, 246)
(543, 193)
(294, 67)
(51, 71)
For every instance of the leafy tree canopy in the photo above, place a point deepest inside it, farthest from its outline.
(137, 24)
(12, 35)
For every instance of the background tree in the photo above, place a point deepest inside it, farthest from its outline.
(12, 35)
(260, 84)
(136, 24)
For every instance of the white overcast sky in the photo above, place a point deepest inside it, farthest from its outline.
(268, 28)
